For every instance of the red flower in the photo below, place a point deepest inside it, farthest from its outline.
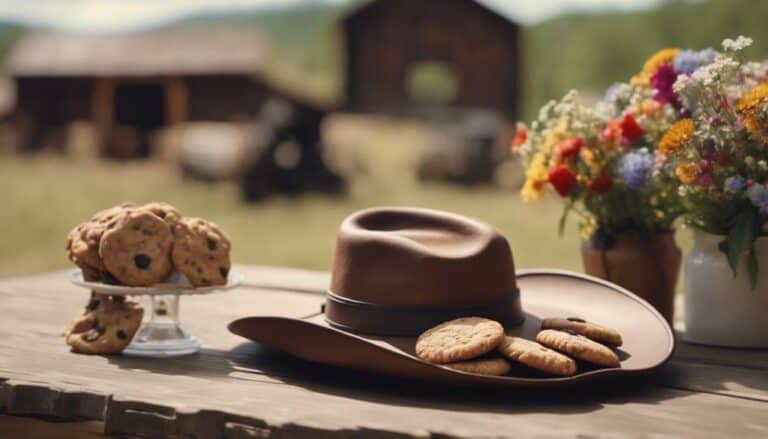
(722, 158)
(630, 130)
(521, 135)
(600, 184)
(569, 148)
(563, 179)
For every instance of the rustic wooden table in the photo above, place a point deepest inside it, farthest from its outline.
(235, 388)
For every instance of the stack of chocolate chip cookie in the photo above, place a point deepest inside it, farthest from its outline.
(139, 246)
(142, 245)
(479, 345)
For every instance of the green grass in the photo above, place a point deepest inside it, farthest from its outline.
(44, 196)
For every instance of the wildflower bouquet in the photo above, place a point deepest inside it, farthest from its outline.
(718, 150)
(603, 161)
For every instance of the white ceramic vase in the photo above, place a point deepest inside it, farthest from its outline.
(722, 310)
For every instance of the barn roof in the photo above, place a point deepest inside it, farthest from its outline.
(164, 52)
(489, 6)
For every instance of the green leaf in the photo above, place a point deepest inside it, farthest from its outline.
(740, 240)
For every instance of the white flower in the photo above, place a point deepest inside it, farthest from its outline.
(740, 43)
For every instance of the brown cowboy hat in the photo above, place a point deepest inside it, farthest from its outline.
(400, 271)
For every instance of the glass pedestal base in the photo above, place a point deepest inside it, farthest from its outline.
(162, 336)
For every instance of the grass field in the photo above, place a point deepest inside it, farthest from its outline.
(44, 196)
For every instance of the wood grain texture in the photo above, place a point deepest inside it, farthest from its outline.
(235, 388)
(14, 427)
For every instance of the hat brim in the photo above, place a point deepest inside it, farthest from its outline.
(648, 338)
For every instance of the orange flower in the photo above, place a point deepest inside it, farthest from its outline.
(677, 136)
(611, 135)
(687, 172)
(749, 109)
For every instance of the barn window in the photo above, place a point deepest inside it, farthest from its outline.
(432, 82)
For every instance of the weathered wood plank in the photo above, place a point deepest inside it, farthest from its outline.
(721, 380)
(29, 428)
(238, 389)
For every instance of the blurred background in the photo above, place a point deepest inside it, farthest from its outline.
(277, 118)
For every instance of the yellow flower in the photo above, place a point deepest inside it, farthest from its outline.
(532, 190)
(536, 178)
(663, 56)
(687, 172)
(749, 109)
(677, 136)
(588, 226)
(589, 157)
(555, 135)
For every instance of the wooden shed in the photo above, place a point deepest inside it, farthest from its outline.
(404, 56)
(133, 83)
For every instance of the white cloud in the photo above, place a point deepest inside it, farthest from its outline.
(116, 15)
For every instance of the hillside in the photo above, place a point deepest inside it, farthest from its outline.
(584, 51)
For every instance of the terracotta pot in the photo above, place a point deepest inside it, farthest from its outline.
(647, 265)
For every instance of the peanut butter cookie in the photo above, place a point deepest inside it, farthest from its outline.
(579, 347)
(458, 340)
(534, 355)
(592, 331)
(483, 366)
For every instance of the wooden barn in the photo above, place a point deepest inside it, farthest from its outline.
(404, 56)
(129, 85)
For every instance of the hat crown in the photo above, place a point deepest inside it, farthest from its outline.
(411, 259)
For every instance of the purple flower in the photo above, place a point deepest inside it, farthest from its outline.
(758, 194)
(689, 61)
(662, 81)
(635, 168)
(734, 184)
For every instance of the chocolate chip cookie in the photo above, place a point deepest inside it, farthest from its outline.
(83, 242)
(201, 251)
(107, 325)
(136, 248)
(163, 210)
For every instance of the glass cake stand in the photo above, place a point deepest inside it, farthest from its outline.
(162, 335)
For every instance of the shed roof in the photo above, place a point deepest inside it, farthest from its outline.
(488, 6)
(168, 52)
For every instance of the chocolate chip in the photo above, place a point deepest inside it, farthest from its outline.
(142, 261)
(211, 244)
(224, 272)
(121, 334)
(93, 304)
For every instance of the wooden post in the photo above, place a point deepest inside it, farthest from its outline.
(103, 108)
(175, 101)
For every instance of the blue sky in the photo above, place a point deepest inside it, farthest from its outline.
(117, 15)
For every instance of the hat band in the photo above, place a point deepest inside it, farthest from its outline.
(408, 321)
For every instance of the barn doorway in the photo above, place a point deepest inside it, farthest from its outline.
(139, 110)
(431, 82)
